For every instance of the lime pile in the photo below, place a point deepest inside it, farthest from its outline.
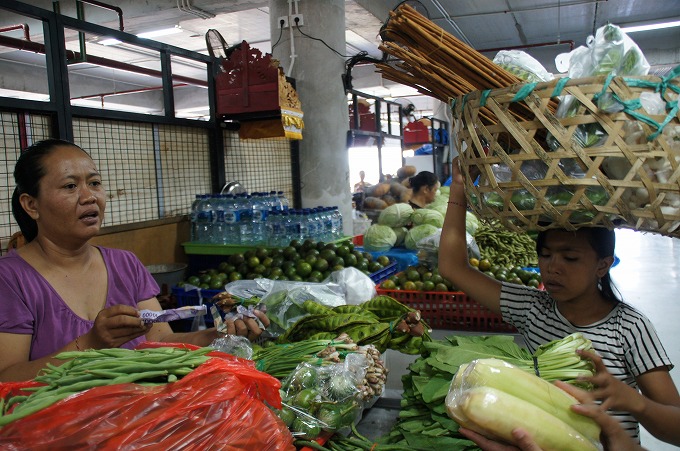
(424, 278)
(307, 261)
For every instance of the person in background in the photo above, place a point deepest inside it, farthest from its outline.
(361, 184)
(424, 186)
(60, 293)
(579, 297)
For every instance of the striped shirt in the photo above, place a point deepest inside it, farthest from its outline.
(625, 339)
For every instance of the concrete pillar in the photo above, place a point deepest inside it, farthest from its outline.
(324, 163)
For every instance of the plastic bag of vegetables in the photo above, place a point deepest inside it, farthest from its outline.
(523, 65)
(485, 391)
(324, 398)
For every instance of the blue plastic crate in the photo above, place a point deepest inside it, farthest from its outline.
(384, 273)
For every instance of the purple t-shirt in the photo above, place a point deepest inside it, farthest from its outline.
(29, 304)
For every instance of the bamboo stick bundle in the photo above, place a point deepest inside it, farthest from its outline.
(438, 64)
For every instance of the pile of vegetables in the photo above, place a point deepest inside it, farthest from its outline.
(95, 368)
(279, 360)
(382, 195)
(485, 391)
(505, 247)
(124, 399)
(308, 260)
(423, 422)
(400, 225)
(381, 321)
(424, 278)
(329, 398)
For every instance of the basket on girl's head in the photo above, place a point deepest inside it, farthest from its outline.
(608, 155)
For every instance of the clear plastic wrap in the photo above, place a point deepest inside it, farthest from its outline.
(484, 391)
(284, 299)
(235, 345)
(522, 65)
(330, 398)
(610, 51)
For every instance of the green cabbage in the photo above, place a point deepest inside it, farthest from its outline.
(439, 206)
(416, 234)
(379, 238)
(427, 216)
(471, 223)
(401, 235)
(396, 215)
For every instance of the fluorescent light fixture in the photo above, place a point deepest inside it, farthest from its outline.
(112, 106)
(109, 41)
(651, 26)
(149, 34)
(403, 91)
(162, 32)
(26, 95)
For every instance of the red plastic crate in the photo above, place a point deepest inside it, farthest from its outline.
(451, 310)
(416, 133)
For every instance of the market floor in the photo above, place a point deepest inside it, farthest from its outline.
(648, 277)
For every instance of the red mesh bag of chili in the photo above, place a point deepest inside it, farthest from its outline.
(213, 407)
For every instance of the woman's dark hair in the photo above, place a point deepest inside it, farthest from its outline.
(602, 241)
(28, 172)
(423, 178)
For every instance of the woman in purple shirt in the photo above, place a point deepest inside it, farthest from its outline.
(58, 292)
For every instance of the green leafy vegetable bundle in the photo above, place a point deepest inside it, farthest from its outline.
(423, 423)
(382, 321)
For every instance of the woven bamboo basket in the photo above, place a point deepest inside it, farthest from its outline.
(533, 170)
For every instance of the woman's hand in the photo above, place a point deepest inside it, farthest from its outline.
(614, 394)
(248, 327)
(523, 440)
(113, 327)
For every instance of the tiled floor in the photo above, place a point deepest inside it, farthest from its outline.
(648, 277)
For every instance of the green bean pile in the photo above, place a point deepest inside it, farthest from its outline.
(373, 322)
(95, 368)
(505, 247)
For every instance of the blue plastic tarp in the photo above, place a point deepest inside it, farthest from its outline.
(404, 257)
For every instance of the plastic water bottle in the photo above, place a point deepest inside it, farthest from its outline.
(260, 207)
(231, 219)
(317, 227)
(245, 219)
(275, 232)
(338, 231)
(326, 217)
(192, 216)
(282, 201)
(294, 231)
(204, 219)
(286, 227)
(219, 227)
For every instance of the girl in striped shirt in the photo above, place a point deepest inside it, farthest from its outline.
(632, 379)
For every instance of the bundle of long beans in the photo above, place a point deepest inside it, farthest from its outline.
(438, 64)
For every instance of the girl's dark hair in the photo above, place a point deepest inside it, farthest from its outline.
(423, 178)
(602, 241)
(28, 172)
